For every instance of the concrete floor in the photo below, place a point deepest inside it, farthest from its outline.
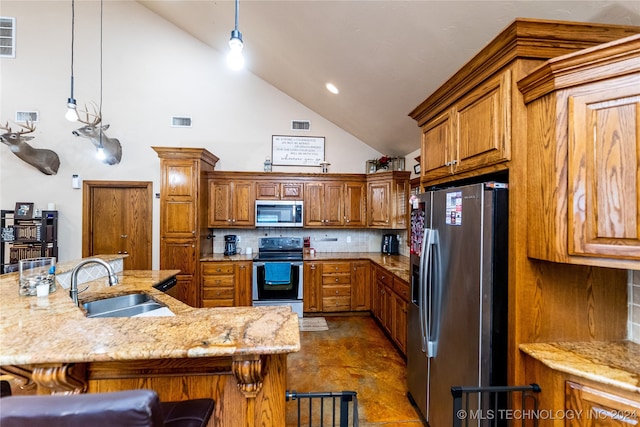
(354, 354)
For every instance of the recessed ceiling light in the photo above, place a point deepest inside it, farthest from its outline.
(331, 88)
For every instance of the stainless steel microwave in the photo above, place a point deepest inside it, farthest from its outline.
(279, 213)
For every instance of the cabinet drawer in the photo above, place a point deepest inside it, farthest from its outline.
(213, 268)
(336, 267)
(384, 277)
(217, 281)
(334, 291)
(336, 279)
(217, 293)
(339, 303)
(401, 288)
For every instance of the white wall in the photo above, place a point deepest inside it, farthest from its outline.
(151, 71)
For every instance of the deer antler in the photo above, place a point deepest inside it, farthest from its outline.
(6, 127)
(28, 127)
(97, 114)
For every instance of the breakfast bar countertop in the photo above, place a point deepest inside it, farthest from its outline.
(51, 329)
(615, 363)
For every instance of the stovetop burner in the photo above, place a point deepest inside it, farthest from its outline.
(279, 249)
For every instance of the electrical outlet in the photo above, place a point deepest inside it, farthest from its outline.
(238, 239)
(348, 239)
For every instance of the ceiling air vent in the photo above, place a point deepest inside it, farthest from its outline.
(300, 124)
(181, 122)
(27, 116)
(7, 37)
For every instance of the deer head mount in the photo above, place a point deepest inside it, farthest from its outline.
(46, 161)
(95, 133)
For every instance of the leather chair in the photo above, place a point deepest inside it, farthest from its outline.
(131, 408)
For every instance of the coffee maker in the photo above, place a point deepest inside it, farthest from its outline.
(390, 244)
(230, 244)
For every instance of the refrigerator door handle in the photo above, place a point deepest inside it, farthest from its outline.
(425, 256)
(435, 295)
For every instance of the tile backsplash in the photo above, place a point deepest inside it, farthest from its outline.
(330, 240)
(634, 306)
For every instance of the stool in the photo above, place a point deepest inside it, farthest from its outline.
(134, 408)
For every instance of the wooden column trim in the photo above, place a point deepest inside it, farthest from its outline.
(64, 378)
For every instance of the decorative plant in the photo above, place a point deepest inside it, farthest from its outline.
(382, 162)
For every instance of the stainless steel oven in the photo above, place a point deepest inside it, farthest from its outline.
(278, 273)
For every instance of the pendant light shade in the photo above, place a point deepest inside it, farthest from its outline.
(235, 60)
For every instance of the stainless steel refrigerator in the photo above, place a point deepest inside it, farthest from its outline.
(457, 324)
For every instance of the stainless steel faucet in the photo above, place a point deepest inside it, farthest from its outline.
(73, 292)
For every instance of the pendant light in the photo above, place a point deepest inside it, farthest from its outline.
(100, 154)
(235, 60)
(72, 112)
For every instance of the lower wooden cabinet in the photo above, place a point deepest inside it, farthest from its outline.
(226, 284)
(337, 286)
(390, 305)
(599, 408)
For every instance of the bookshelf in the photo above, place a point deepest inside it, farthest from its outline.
(26, 238)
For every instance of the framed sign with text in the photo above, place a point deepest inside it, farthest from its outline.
(297, 150)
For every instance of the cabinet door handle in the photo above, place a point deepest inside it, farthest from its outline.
(336, 282)
(337, 292)
(242, 266)
(124, 236)
(313, 266)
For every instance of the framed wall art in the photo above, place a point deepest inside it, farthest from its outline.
(23, 210)
(297, 150)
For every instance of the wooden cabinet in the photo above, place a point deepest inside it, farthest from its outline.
(355, 196)
(183, 224)
(584, 157)
(390, 305)
(336, 286)
(599, 407)
(323, 204)
(388, 200)
(360, 286)
(473, 133)
(231, 203)
(312, 290)
(226, 284)
(271, 190)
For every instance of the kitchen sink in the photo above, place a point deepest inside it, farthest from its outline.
(122, 306)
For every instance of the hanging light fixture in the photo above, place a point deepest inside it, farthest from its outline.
(100, 154)
(235, 60)
(72, 112)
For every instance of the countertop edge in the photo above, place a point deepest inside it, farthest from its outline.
(573, 358)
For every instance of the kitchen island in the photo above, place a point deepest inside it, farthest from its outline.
(236, 356)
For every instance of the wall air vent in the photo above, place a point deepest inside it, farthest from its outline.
(27, 116)
(7, 37)
(180, 122)
(300, 124)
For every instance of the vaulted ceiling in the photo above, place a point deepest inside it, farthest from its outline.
(385, 57)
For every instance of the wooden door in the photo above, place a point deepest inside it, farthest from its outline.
(220, 203)
(313, 204)
(604, 170)
(379, 203)
(333, 200)
(354, 204)
(360, 286)
(437, 147)
(117, 219)
(312, 290)
(243, 204)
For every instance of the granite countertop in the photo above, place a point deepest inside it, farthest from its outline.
(396, 264)
(614, 363)
(39, 330)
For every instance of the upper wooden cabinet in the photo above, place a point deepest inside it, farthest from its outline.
(231, 203)
(271, 190)
(474, 123)
(335, 203)
(584, 156)
(471, 134)
(388, 200)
